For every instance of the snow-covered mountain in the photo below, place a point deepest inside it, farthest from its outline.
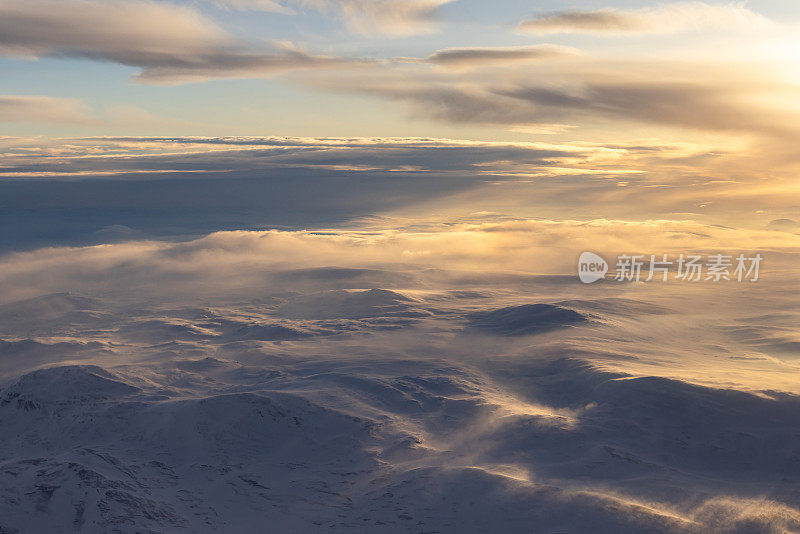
(388, 410)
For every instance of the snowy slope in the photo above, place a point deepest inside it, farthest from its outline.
(449, 410)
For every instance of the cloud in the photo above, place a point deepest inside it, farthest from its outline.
(366, 17)
(114, 30)
(704, 105)
(473, 57)
(733, 100)
(785, 225)
(233, 263)
(253, 5)
(47, 109)
(169, 43)
(400, 157)
(192, 186)
(242, 64)
(44, 109)
(667, 18)
(178, 187)
(385, 17)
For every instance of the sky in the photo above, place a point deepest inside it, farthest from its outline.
(632, 111)
(363, 220)
(358, 68)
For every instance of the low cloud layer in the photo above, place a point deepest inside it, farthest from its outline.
(231, 264)
(122, 188)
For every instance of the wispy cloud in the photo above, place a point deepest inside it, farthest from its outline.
(482, 56)
(389, 17)
(366, 17)
(78, 113)
(272, 6)
(44, 109)
(666, 18)
(729, 99)
(235, 64)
